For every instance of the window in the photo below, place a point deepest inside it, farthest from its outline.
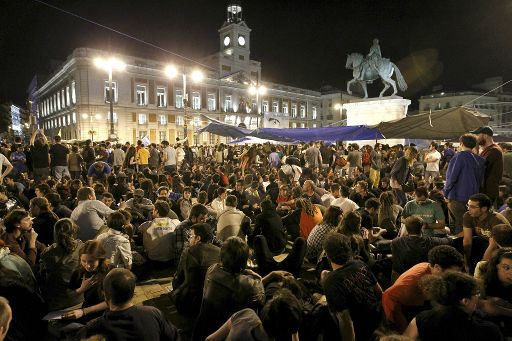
(314, 125)
(58, 100)
(68, 99)
(241, 57)
(211, 102)
(179, 99)
(294, 110)
(107, 94)
(196, 100)
(212, 138)
(196, 122)
(313, 113)
(73, 93)
(275, 106)
(302, 111)
(55, 108)
(68, 121)
(303, 125)
(63, 98)
(162, 119)
(141, 95)
(180, 133)
(227, 103)
(161, 97)
(285, 108)
(294, 124)
(264, 106)
(143, 119)
(73, 117)
(179, 120)
(162, 135)
(142, 134)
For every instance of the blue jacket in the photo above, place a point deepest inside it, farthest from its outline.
(464, 176)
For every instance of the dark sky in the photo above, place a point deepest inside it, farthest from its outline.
(303, 43)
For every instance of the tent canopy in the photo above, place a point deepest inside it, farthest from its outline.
(222, 129)
(437, 125)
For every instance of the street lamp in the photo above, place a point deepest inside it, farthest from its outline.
(257, 90)
(108, 65)
(171, 72)
(91, 118)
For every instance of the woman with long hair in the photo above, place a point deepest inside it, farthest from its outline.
(330, 221)
(456, 296)
(87, 280)
(116, 241)
(401, 175)
(388, 214)
(351, 227)
(303, 219)
(130, 161)
(58, 262)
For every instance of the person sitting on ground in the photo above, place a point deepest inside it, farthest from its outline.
(344, 202)
(404, 299)
(352, 291)
(5, 317)
(139, 204)
(269, 224)
(43, 221)
(20, 237)
(361, 193)
(281, 317)
(87, 280)
(430, 211)
(232, 222)
(125, 321)
(303, 219)
(228, 288)
(477, 226)
(501, 236)
(116, 242)
(457, 295)
(156, 234)
(179, 238)
(89, 214)
(330, 221)
(188, 281)
(56, 206)
(98, 171)
(359, 241)
(58, 262)
(413, 248)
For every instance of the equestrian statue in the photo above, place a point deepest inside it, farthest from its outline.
(366, 70)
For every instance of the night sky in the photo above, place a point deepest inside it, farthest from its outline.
(455, 43)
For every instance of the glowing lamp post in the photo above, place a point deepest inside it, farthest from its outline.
(257, 90)
(109, 65)
(91, 118)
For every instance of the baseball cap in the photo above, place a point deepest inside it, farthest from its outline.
(138, 193)
(484, 130)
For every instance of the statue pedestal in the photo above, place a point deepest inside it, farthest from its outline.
(371, 111)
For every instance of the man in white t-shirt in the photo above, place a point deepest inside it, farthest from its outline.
(169, 157)
(344, 202)
(432, 159)
(8, 167)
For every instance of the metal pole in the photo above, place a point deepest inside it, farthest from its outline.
(185, 103)
(111, 99)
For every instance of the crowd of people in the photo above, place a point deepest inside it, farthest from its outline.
(265, 242)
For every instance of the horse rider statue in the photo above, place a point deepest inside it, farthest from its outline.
(366, 70)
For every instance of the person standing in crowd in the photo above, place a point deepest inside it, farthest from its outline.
(154, 157)
(312, 156)
(493, 156)
(59, 159)
(4, 162)
(75, 162)
(169, 157)
(464, 176)
(40, 156)
(401, 174)
(88, 154)
(19, 160)
(354, 159)
(142, 156)
(432, 159)
(376, 165)
(118, 156)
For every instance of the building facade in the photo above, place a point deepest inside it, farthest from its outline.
(74, 101)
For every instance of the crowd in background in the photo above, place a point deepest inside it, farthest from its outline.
(313, 241)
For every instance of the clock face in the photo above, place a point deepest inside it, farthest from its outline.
(241, 40)
(226, 41)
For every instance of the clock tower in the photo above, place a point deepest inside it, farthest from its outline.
(235, 43)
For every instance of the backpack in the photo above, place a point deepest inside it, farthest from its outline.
(366, 159)
(340, 161)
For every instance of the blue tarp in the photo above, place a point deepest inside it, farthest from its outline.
(329, 134)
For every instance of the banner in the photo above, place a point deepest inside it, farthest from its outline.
(276, 120)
